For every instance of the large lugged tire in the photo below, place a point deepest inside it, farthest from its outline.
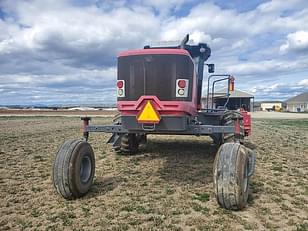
(73, 169)
(231, 180)
(227, 120)
(129, 144)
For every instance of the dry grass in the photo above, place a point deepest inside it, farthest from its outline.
(167, 186)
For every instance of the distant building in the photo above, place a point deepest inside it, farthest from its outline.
(237, 99)
(298, 103)
(271, 106)
(82, 109)
(257, 106)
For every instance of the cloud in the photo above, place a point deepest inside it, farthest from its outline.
(86, 36)
(280, 91)
(164, 7)
(88, 86)
(268, 67)
(53, 47)
(297, 42)
(279, 6)
(60, 50)
(303, 83)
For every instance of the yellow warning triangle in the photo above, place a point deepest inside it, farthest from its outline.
(148, 114)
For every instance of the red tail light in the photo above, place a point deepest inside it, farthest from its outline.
(182, 88)
(121, 88)
(182, 83)
(120, 84)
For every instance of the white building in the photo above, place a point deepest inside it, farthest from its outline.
(298, 103)
(270, 105)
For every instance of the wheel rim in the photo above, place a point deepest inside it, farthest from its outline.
(85, 169)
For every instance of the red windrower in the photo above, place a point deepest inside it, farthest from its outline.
(148, 104)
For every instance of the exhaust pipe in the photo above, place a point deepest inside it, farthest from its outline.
(184, 41)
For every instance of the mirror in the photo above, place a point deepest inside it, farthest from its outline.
(211, 68)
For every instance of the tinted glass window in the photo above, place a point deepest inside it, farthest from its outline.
(154, 75)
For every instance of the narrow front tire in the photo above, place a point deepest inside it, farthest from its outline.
(73, 169)
(231, 176)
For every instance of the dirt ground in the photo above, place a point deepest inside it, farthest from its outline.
(167, 186)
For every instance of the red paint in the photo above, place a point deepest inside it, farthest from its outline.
(246, 121)
(177, 108)
(163, 107)
(237, 127)
(154, 52)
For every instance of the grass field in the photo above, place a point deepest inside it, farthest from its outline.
(167, 186)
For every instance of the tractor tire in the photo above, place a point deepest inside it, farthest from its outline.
(142, 139)
(129, 144)
(231, 176)
(227, 120)
(73, 169)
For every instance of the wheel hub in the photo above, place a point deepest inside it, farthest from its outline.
(85, 169)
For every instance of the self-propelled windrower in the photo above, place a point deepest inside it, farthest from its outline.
(159, 92)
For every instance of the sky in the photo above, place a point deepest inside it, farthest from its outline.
(58, 52)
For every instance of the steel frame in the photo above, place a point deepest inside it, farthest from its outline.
(191, 130)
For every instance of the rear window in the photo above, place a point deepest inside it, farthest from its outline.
(154, 75)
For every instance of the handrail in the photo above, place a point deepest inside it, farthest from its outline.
(228, 77)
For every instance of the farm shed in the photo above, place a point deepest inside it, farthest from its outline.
(298, 103)
(236, 100)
